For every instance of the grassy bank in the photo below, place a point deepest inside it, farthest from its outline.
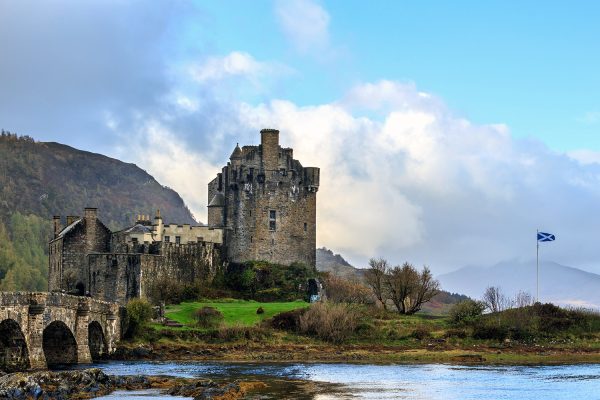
(529, 336)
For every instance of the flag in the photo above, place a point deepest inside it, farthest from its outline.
(545, 237)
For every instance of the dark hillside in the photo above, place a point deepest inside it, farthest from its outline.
(39, 180)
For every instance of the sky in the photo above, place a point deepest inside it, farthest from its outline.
(446, 132)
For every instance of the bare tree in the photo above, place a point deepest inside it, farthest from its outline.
(375, 277)
(425, 288)
(495, 300)
(400, 283)
(523, 299)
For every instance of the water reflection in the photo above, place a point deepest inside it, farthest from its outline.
(414, 382)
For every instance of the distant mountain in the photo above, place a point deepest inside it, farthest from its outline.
(559, 284)
(335, 264)
(39, 180)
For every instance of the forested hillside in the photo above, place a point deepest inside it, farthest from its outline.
(39, 180)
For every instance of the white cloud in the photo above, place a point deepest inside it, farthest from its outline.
(415, 183)
(305, 23)
(234, 64)
(585, 156)
(590, 118)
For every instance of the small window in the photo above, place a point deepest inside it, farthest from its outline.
(200, 239)
(134, 241)
(250, 239)
(272, 220)
(167, 239)
(178, 239)
(272, 241)
(305, 227)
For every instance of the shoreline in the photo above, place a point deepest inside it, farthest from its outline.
(354, 354)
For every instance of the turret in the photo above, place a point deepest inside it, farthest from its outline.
(157, 226)
(215, 210)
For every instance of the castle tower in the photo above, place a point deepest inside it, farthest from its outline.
(266, 202)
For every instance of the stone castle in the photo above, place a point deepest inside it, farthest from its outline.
(261, 206)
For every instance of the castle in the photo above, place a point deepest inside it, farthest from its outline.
(261, 206)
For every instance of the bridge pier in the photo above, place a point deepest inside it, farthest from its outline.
(84, 356)
(35, 329)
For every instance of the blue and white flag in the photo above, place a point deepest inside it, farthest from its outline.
(545, 237)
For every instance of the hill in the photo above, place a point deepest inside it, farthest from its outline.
(39, 180)
(335, 264)
(559, 284)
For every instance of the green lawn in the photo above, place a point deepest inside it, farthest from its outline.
(240, 312)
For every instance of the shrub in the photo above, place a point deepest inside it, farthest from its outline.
(288, 320)
(329, 321)
(139, 312)
(456, 333)
(241, 332)
(466, 312)
(260, 310)
(208, 317)
(340, 290)
(490, 331)
(421, 332)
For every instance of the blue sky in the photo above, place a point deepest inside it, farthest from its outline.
(531, 65)
(446, 132)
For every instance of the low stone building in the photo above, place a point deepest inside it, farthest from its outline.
(262, 206)
(87, 258)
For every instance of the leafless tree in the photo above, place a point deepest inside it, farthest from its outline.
(425, 288)
(494, 300)
(409, 289)
(523, 299)
(375, 277)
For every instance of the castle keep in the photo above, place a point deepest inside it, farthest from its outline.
(265, 201)
(262, 206)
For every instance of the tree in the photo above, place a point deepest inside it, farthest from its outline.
(425, 288)
(375, 277)
(409, 289)
(494, 300)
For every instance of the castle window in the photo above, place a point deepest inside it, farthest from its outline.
(305, 227)
(167, 239)
(250, 239)
(272, 220)
(178, 239)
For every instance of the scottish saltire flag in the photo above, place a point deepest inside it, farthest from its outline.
(545, 237)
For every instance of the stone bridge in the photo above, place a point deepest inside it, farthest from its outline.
(40, 329)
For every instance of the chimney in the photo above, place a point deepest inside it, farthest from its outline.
(71, 219)
(269, 140)
(90, 215)
(57, 227)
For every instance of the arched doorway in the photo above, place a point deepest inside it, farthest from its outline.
(80, 288)
(59, 345)
(96, 341)
(13, 348)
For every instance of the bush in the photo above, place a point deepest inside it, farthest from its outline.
(208, 317)
(466, 312)
(260, 310)
(340, 290)
(490, 331)
(329, 321)
(421, 332)
(288, 320)
(455, 333)
(241, 332)
(139, 312)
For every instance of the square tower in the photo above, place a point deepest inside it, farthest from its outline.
(266, 202)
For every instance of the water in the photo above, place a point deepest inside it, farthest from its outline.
(357, 381)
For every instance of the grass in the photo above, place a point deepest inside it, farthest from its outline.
(235, 312)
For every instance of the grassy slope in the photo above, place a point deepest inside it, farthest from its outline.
(235, 312)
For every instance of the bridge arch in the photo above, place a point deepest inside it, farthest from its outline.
(14, 355)
(59, 344)
(97, 341)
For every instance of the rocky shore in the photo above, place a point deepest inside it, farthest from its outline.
(90, 383)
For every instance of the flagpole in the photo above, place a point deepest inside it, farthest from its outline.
(537, 268)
